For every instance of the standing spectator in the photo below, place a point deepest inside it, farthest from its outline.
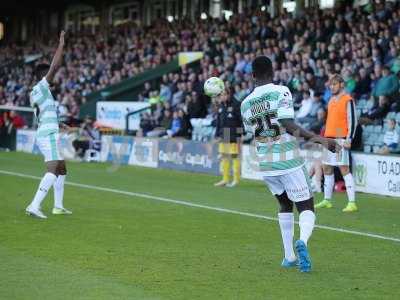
(17, 121)
(7, 131)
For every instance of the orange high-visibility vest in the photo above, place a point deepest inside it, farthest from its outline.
(337, 120)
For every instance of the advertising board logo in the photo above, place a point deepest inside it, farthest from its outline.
(361, 174)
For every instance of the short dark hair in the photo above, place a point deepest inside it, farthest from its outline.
(41, 70)
(262, 68)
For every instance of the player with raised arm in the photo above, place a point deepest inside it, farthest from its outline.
(47, 137)
(268, 114)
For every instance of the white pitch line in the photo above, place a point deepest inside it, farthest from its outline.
(185, 203)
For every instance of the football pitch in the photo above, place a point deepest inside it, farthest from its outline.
(140, 233)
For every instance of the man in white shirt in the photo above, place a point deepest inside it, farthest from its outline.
(305, 107)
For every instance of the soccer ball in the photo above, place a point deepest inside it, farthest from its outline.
(213, 87)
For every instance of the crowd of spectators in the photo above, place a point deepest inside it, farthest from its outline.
(91, 62)
(362, 44)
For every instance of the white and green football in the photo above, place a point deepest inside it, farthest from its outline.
(213, 87)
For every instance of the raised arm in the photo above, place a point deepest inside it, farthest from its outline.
(297, 131)
(56, 62)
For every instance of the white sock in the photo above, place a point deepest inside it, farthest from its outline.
(349, 182)
(317, 184)
(59, 191)
(44, 186)
(286, 222)
(328, 186)
(306, 223)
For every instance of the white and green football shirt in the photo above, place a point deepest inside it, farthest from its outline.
(276, 152)
(47, 118)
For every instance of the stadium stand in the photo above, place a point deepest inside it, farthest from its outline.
(362, 44)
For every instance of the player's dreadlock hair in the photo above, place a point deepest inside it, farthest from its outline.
(262, 68)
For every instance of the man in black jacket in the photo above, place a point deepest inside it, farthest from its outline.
(228, 133)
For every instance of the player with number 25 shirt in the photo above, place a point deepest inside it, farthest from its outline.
(268, 114)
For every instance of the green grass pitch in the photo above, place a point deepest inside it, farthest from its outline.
(124, 246)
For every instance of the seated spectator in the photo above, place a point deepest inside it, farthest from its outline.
(176, 125)
(318, 125)
(194, 107)
(377, 112)
(390, 56)
(186, 129)
(178, 96)
(239, 94)
(305, 107)
(164, 124)
(62, 111)
(395, 65)
(350, 82)
(16, 120)
(147, 90)
(158, 112)
(312, 115)
(154, 98)
(180, 126)
(165, 90)
(146, 124)
(387, 85)
(88, 138)
(390, 139)
(363, 84)
(240, 63)
(320, 80)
